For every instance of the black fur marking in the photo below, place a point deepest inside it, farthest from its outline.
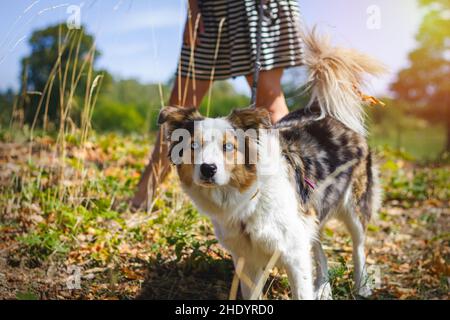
(369, 171)
(292, 135)
(359, 153)
(366, 198)
(300, 114)
(320, 173)
(344, 140)
(322, 132)
(307, 163)
(189, 126)
(302, 189)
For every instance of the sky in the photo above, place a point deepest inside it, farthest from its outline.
(141, 39)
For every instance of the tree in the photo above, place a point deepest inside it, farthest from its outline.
(426, 82)
(6, 107)
(56, 73)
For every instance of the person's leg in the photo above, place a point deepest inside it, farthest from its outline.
(184, 94)
(270, 94)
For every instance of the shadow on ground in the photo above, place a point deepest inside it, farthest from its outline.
(188, 279)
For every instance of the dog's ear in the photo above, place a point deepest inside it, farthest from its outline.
(177, 117)
(250, 118)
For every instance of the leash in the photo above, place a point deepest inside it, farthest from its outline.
(258, 54)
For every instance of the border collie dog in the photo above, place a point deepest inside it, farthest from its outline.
(270, 189)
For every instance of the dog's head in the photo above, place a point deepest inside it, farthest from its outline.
(214, 152)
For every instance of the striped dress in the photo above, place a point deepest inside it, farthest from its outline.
(227, 47)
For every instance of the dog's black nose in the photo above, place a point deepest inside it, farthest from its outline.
(208, 170)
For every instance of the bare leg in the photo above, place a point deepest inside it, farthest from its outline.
(184, 94)
(270, 94)
(155, 172)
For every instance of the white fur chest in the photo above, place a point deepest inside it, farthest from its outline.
(262, 218)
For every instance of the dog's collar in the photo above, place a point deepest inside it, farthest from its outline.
(310, 183)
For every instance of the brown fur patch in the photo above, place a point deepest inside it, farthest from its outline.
(185, 172)
(310, 212)
(243, 177)
(359, 180)
(250, 118)
(177, 115)
(359, 183)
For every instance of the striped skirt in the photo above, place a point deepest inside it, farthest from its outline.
(227, 48)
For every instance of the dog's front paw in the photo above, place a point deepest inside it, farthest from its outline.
(324, 292)
(365, 291)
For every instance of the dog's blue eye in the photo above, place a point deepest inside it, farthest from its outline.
(195, 145)
(228, 147)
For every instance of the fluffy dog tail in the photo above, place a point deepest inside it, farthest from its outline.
(335, 76)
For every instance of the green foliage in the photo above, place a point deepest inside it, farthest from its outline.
(224, 98)
(339, 277)
(110, 115)
(44, 242)
(409, 186)
(394, 127)
(425, 83)
(142, 101)
(27, 296)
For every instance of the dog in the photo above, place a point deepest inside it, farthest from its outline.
(321, 168)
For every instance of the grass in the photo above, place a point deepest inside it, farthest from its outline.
(49, 221)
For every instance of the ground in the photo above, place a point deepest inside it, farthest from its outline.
(66, 231)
